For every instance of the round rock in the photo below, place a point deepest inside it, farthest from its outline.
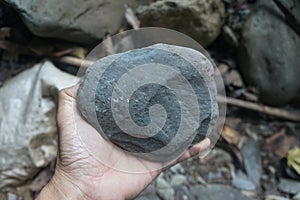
(153, 102)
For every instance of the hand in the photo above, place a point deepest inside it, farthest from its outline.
(80, 175)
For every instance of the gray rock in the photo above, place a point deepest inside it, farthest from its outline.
(178, 179)
(177, 169)
(296, 197)
(28, 127)
(74, 20)
(241, 181)
(215, 192)
(252, 161)
(269, 55)
(182, 192)
(148, 194)
(118, 93)
(164, 189)
(200, 19)
(289, 186)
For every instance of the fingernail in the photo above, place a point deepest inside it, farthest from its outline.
(205, 143)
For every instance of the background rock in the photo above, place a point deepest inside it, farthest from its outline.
(215, 192)
(289, 186)
(164, 189)
(74, 20)
(270, 55)
(200, 19)
(28, 127)
(148, 194)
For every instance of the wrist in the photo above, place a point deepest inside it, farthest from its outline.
(60, 188)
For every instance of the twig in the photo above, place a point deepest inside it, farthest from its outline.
(77, 62)
(276, 112)
(291, 17)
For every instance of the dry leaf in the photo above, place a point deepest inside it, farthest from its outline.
(231, 136)
(79, 52)
(293, 157)
(131, 18)
(280, 143)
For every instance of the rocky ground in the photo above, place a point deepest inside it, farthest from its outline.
(255, 45)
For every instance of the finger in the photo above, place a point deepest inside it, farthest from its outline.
(194, 150)
(66, 105)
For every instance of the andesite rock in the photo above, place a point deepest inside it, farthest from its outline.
(200, 19)
(74, 20)
(167, 90)
(269, 55)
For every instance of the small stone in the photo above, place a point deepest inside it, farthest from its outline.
(177, 169)
(141, 101)
(164, 189)
(273, 197)
(200, 19)
(182, 192)
(178, 179)
(296, 197)
(215, 192)
(241, 181)
(252, 161)
(289, 186)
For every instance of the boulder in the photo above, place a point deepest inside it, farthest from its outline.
(153, 102)
(200, 19)
(74, 20)
(269, 55)
(28, 122)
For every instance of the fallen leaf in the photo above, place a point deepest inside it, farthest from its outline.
(77, 52)
(280, 143)
(231, 136)
(293, 158)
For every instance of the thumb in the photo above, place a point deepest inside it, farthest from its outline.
(67, 108)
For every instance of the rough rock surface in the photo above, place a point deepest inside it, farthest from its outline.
(216, 191)
(185, 91)
(270, 55)
(164, 189)
(74, 20)
(28, 127)
(200, 19)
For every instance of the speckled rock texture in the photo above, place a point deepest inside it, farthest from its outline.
(200, 19)
(74, 20)
(184, 115)
(269, 55)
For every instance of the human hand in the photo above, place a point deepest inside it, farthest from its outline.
(80, 175)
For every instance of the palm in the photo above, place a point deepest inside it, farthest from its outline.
(89, 160)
